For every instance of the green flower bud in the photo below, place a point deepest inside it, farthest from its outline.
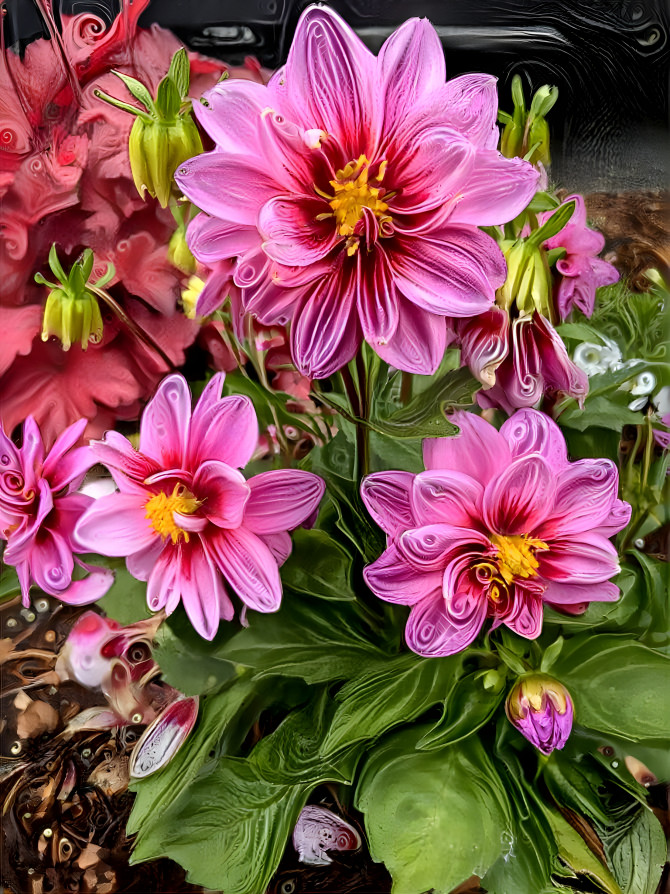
(164, 134)
(72, 313)
(526, 132)
(528, 283)
(179, 252)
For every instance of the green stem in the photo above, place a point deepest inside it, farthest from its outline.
(136, 330)
(363, 433)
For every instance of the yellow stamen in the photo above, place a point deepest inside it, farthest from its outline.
(160, 511)
(516, 555)
(352, 193)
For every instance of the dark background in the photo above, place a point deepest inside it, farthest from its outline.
(609, 58)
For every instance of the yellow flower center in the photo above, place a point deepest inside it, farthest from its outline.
(516, 555)
(352, 193)
(161, 507)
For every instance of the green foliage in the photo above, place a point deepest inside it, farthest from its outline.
(433, 817)
(126, 599)
(318, 566)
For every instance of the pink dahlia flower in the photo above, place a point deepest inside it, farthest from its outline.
(184, 516)
(39, 508)
(582, 271)
(350, 190)
(499, 524)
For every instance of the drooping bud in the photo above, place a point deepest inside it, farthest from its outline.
(72, 312)
(190, 296)
(529, 282)
(541, 709)
(179, 253)
(164, 133)
(526, 132)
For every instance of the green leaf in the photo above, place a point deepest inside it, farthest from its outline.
(580, 332)
(126, 599)
(186, 659)
(604, 412)
(466, 709)
(317, 641)
(179, 72)
(553, 225)
(618, 685)
(9, 584)
(398, 691)
(156, 793)
(637, 853)
(424, 415)
(434, 817)
(574, 851)
(318, 566)
(229, 829)
(138, 90)
(542, 201)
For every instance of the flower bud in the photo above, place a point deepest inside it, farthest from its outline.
(528, 283)
(158, 149)
(190, 296)
(541, 709)
(71, 312)
(179, 253)
(526, 132)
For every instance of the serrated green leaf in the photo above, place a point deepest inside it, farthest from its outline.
(435, 818)
(637, 853)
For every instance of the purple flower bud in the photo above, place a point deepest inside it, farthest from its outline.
(319, 831)
(542, 710)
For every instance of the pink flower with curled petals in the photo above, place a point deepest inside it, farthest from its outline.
(350, 190)
(582, 271)
(184, 516)
(498, 525)
(39, 508)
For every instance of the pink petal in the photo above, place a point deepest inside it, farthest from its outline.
(163, 586)
(116, 452)
(525, 615)
(227, 432)
(327, 76)
(291, 232)
(446, 497)
(529, 431)
(387, 498)
(419, 340)
(279, 544)
(224, 492)
(432, 632)
(165, 423)
(201, 588)
(116, 525)
(558, 370)
(282, 499)
(51, 562)
(484, 343)
(521, 497)
(431, 169)
(32, 451)
(585, 492)
(433, 546)
(213, 240)
(325, 333)
(141, 563)
(376, 298)
(410, 67)
(616, 521)
(90, 589)
(498, 190)
(249, 567)
(471, 104)
(478, 450)
(560, 594)
(393, 579)
(454, 276)
(248, 186)
(584, 559)
(230, 113)
(63, 444)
